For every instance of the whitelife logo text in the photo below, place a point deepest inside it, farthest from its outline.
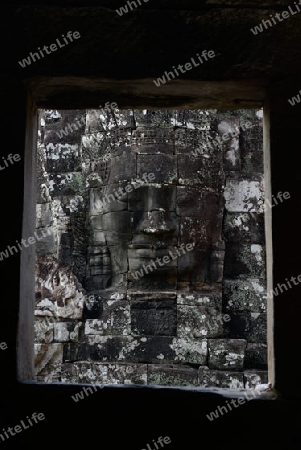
(53, 48)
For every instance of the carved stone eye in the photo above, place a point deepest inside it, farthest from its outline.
(56, 279)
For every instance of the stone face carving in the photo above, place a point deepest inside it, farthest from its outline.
(144, 206)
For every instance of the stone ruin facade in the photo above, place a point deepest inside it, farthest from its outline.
(153, 269)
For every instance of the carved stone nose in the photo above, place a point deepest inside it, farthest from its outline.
(158, 222)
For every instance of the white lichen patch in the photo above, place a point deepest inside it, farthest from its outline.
(243, 196)
(235, 383)
(189, 299)
(189, 350)
(231, 156)
(257, 251)
(129, 347)
(232, 357)
(61, 151)
(96, 326)
(258, 288)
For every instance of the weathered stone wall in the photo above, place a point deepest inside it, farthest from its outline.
(118, 192)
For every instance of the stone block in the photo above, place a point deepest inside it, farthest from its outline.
(66, 331)
(137, 296)
(47, 361)
(172, 375)
(97, 238)
(65, 184)
(64, 126)
(221, 379)
(249, 326)
(104, 373)
(158, 280)
(98, 326)
(109, 348)
(196, 119)
(202, 172)
(114, 319)
(197, 322)
(45, 243)
(153, 314)
(96, 222)
(69, 373)
(146, 349)
(251, 144)
(255, 377)
(118, 140)
(79, 372)
(107, 118)
(62, 158)
(74, 352)
(154, 118)
(189, 351)
(203, 233)
(112, 197)
(210, 296)
(43, 191)
(117, 222)
(151, 260)
(135, 374)
(256, 356)
(194, 266)
(44, 215)
(244, 261)
(151, 140)
(94, 147)
(244, 295)
(244, 195)
(226, 354)
(123, 168)
(197, 143)
(232, 155)
(97, 170)
(229, 135)
(43, 329)
(192, 201)
(245, 228)
(163, 166)
(119, 262)
(216, 262)
(93, 307)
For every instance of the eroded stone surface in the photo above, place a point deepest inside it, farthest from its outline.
(244, 196)
(172, 375)
(253, 378)
(48, 362)
(60, 292)
(230, 380)
(190, 350)
(247, 295)
(226, 354)
(104, 373)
